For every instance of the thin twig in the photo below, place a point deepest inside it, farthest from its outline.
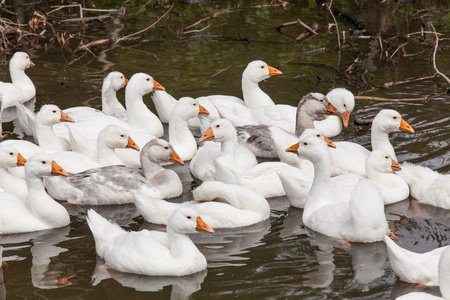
(312, 52)
(398, 48)
(306, 27)
(436, 45)
(389, 99)
(196, 30)
(220, 72)
(214, 15)
(335, 22)
(145, 29)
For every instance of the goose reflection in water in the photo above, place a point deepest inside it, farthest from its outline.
(182, 287)
(44, 275)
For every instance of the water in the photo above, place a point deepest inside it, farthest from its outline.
(278, 258)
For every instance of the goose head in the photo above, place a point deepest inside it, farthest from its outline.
(188, 108)
(316, 106)
(221, 130)
(114, 136)
(20, 61)
(41, 165)
(389, 120)
(258, 70)
(143, 84)
(344, 101)
(379, 161)
(51, 114)
(161, 151)
(186, 220)
(310, 147)
(311, 132)
(115, 81)
(10, 157)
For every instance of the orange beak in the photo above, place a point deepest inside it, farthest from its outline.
(21, 160)
(273, 71)
(132, 145)
(175, 158)
(404, 126)
(202, 226)
(345, 118)
(157, 86)
(207, 136)
(57, 170)
(65, 117)
(126, 81)
(395, 166)
(331, 110)
(32, 63)
(202, 110)
(293, 148)
(329, 142)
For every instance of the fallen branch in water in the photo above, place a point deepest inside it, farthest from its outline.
(314, 27)
(214, 15)
(408, 80)
(307, 27)
(390, 99)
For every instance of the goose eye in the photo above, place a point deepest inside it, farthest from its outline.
(195, 104)
(318, 135)
(217, 126)
(122, 135)
(44, 162)
(189, 217)
(386, 157)
(166, 147)
(11, 153)
(321, 100)
(305, 144)
(148, 79)
(395, 118)
(54, 111)
(345, 105)
(121, 77)
(262, 67)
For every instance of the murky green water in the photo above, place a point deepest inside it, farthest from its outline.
(279, 258)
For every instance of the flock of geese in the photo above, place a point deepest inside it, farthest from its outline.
(115, 156)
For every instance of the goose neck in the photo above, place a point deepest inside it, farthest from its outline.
(150, 167)
(253, 95)
(380, 141)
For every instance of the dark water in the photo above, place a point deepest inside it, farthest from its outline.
(278, 258)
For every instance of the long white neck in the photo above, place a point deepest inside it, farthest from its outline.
(109, 100)
(20, 79)
(184, 250)
(228, 150)
(181, 138)
(253, 95)
(320, 192)
(107, 156)
(380, 141)
(164, 103)
(139, 116)
(43, 206)
(47, 139)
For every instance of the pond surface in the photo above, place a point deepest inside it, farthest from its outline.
(278, 258)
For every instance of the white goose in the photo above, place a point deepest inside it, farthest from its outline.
(113, 82)
(46, 138)
(110, 138)
(152, 253)
(225, 149)
(38, 211)
(344, 101)
(297, 185)
(10, 157)
(21, 88)
(380, 169)
(180, 137)
(349, 157)
(243, 206)
(427, 186)
(420, 268)
(362, 219)
(117, 184)
(443, 278)
(140, 119)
